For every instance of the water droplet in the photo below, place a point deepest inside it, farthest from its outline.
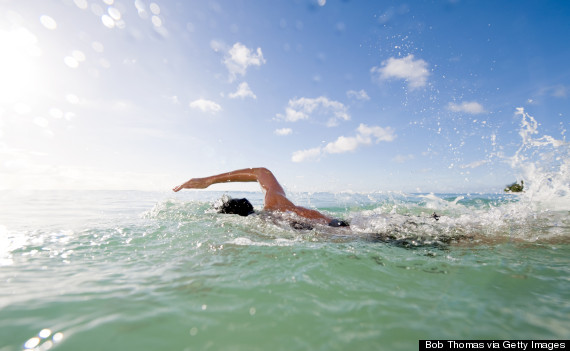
(108, 21)
(32, 343)
(154, 8)
(48, 22)
(72, 99)
(45, 333)
(114, 13)
(41, 122)
(57, 337)
(82, 4)
(78, 55)
(97, 46)
(156, 21)
(97, 10)
(139, 4)
(71, 62)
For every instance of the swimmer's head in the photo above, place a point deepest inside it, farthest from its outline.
(240, 207)
(338, 223)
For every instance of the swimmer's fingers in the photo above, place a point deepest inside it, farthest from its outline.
(194, 183)
(181, 186)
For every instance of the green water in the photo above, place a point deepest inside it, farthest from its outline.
(147, 271)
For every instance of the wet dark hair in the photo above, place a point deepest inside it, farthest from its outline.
(240, 207)
(338, 223)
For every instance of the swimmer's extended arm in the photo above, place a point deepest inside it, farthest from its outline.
(261, 175)
(275, 199)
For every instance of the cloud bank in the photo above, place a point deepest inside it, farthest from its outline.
(365, 136)
(413, 71)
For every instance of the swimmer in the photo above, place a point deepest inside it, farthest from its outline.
(275, 199)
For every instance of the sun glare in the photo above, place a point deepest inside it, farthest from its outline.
(18, 66)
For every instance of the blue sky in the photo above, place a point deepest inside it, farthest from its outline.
(412, 96)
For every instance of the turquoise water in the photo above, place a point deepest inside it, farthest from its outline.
(97, 270)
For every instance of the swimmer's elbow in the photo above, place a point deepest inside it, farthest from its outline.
(268, 181)
(262, 171)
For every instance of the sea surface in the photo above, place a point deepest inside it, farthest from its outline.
(133, 270)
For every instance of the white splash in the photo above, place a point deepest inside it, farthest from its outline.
(544, 165)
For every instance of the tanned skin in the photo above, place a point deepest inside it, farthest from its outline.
(275, 199)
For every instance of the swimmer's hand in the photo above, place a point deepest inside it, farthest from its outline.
(194, 183)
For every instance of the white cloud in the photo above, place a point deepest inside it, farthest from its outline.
(304, 155)
(205, 106)
(342, 144)
(358, 95)
(470, 107)
(293, 115)
(365, 135)
(217, 45)
(173, 99)
(474, 164)
(559, 91)
(239, 58)
(403, 158)
(413, 71)
(379, 133)
(243, 91)
(303, 108)
(283, 131)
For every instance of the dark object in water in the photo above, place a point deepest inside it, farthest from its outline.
(299, 225)
(435, 216)
(240, 207)
(515, 187)
(338, 223)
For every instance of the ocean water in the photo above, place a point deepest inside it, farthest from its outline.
(135, 270)
(128, 270)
